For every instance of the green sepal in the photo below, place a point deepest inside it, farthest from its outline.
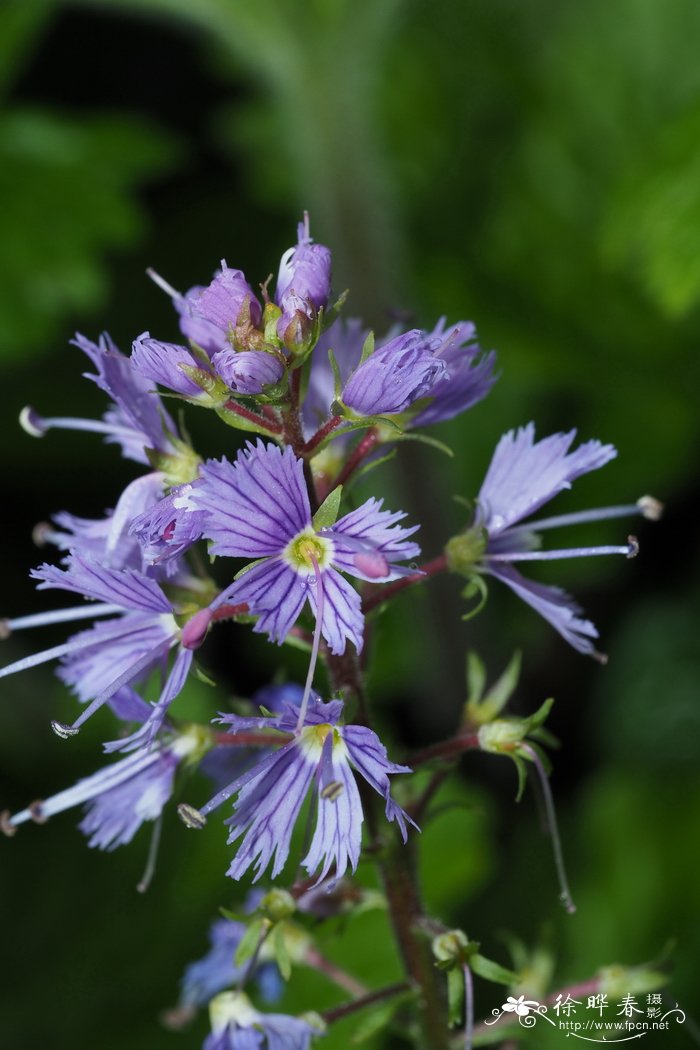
(232, 419)
(492, 971)
(248, 567)
(426, 439)
(484, 710)
(332, 313)
(250, 940)
(366, 467)
(476, 677)
(521, 769)
(455, 996)
(327, 513)
(337, 377)
(280, 952)
(214, 389)
(202, 676)
(362, 422)
(367, 348)
(476, 585)
(376, 1018)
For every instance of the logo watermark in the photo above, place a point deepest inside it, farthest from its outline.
(597, 1020)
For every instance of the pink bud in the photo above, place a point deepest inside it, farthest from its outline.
(372, 564)
(195, 630)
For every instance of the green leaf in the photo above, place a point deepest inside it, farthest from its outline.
(455, 995)
(279, 948)
(327, 513)
(492, 971)
(250, 940)
(426, 439)
(68, 189)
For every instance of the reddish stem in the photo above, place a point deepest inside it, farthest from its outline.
(252, 739)
(431, 568)
(328, 427)
(225, 612)
(361, 452)
(253, 417)
(446, 748)
(337, 1012)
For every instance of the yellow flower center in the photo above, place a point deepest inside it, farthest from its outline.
(307, 547)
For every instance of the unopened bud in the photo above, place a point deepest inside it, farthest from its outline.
(278, 905)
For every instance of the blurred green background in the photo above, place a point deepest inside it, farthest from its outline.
(533, 167)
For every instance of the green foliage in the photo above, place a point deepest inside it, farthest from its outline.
(66, 187)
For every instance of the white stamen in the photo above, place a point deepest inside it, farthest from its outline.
(79, 612)
(315, 646)
(149, 871)
(630, 550)
(163, 284)
(565, 894)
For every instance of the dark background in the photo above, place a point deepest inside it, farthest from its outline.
(535, 168)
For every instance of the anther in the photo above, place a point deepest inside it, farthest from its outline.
(6, 825)
(633, 547)
(35, 811)
(41, 533)
(651, 508)
(332, 791)
(31, 422)
(64, 731)
(5, 630)
(190, 816)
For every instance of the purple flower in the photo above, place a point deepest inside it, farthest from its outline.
(320, 757)
(136, 420)
(248, 371)
(345, 337)
(160, 362)
(120, 797)
(227, 301)
(209, 315)
(258, 507)
(469, 374)
(524, 475)
(169, 528)
(217, 970)
(236, 1025)
(392, 378)
(98, 662)
(243, 371)
(107, 539)
(303, 282)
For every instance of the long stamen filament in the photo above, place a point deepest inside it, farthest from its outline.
(647, 506)
(150, 868)
(553, 829)
(77, 612)
(630, 550)
(468, 1008)
(315, 646)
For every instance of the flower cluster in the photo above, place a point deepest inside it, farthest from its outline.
(290, 556)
